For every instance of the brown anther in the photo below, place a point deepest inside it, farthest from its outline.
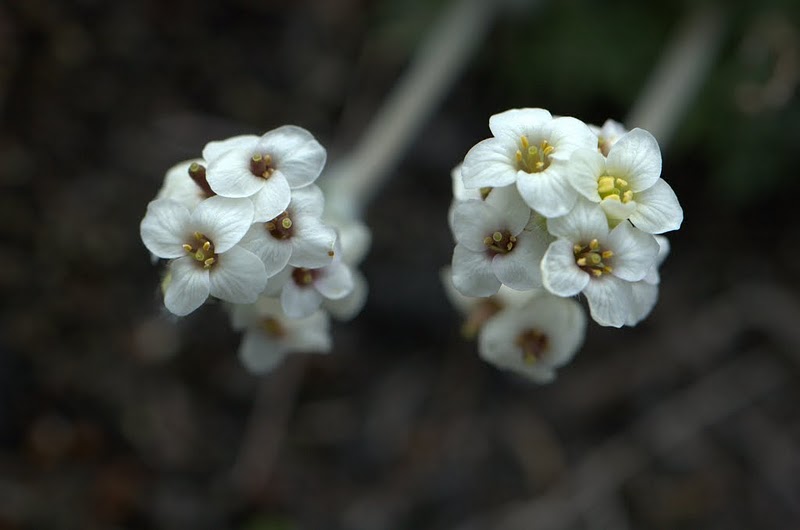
(303, 276)
(533, 344)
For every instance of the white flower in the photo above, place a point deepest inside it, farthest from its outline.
(185, 183)
(264, 168)
(493, 245)
(297, 236)
(589, 258)
(350, 305)
(202, 245)
(645, 291)
(270, 335)
(627, 183)
(532, 149)
(607, 135)
(535, 339)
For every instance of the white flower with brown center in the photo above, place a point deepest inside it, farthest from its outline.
(627, 184)
(534, 339)
(265, 168)
(587, 257)
(607, 135)
(186, 183)
(202, 245)
(531, 149)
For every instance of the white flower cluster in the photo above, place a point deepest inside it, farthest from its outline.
(552, 207)
(245, 224)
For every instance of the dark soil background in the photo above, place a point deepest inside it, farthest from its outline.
(115, 416)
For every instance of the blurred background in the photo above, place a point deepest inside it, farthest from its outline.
(114, 415)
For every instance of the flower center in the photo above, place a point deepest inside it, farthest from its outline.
(500, 242)
(533, 159)
(261, 166)
(303, 277)
(280, 227)
(614, 189)
(590, 258)
(273, 328)
(197, 173)
(533, 344)
(202, 249)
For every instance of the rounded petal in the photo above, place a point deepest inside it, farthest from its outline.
(335, 281)
(560, 274)
(586, 167)
(618, 210)
(229, 175)
(636, 158)
(473, 221)
(188, 287)
(223, 220)
(585, 222)
(272, 200)
(214, 150)
(610, 300)
(567, 134)
(312, 334)
(348, 307)
(274, 253)
(513, 123)
(548, 192)
(313, 244)
(238, 276)
(520, 269)
(308, 201)
(645, 296)
(165, 227)
(658, 209)
(260, 353)
(295, 153)
(299, 302)
(634, 252)
(472, 273)
(489, 163)
(513, 210)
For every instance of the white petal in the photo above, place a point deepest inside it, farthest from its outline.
(295, 153)
(188, 287)
(230, 175)
(180, 187)
(513, 210)
(299, 302)
(308, 201)
(348, 307)
(214, 150)
(586, 167)
(634, 252)
(618, 210)
(489, 163)
(274, 253)
(260, 353)
(272, 200)
(473, 221)
(312, 334)
(513, 123)
(560, 274)
(335, 281)
(636, 158)
(165, 227)
(520, 269)
(658, 209)
(224, 221)
(547, 192)
(585, 222)
(564, 322)
(238, 276)
(567, 134)
(645, 296)
(610, 300)
(276, 283)
(472, 273)
(312, 244)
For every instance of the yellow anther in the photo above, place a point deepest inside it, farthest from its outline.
(485, 191)
(539, 165)
(607, 254)
(270, 226)
(188, 248)
(518, 155)
(621, 183)
(209, 262)
(286, 223)
(594, 244)
(605, 184)
(607, 269)
(627, 196)
(581, 262)
(497, 237)
(307, 278)
(257, 158)
(548, 149)
(207, 246)
(510, 245)
(524, 141)
(488, 241)
(198, 236)
(596, 272)
(612, 197)
(594, 258)
(576, 248)
(267, 159)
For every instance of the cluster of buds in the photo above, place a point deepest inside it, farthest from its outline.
(245, 224)
(546, 209)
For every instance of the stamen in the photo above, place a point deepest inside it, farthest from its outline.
(207, 246)
(621, 183)
(581, 262)
(607, 254)
(627, 196)
(524, 141)
(286, 223)
(594, 244)
(497, 237)
(188, 248)
(209, 262)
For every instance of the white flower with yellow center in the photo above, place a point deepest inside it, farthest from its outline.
(534, 339)
(297, 236)
(186, 183)
(202, 245)
(270, 335)
(607, 135)
(265, 168)
(588, 257)
(645, 291)
(493, 246)
(532, 149)
(627, 184)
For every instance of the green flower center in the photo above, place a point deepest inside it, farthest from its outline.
(591, 258)
(614, 188)
(500, 242)
(202, 249)
(532, 158)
